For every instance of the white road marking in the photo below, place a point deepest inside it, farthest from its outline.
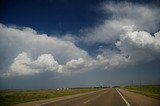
(123, 98)
(86, 101)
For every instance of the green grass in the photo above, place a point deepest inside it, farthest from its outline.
(148, 90)
(11, 97)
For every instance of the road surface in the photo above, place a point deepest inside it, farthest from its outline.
(109, 97)
(105, 97)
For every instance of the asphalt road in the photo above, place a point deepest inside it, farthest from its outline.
(107, 97)
(104, 97)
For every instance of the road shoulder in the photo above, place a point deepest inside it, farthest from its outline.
(138, 99)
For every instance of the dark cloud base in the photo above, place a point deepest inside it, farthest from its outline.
(146, 73)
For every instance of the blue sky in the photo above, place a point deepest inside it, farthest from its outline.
(51, 16)
(56, 16)
(73, 43)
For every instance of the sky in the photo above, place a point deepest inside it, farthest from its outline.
(79, 43)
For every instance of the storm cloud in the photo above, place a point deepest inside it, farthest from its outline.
(142, 17)
(23, 51)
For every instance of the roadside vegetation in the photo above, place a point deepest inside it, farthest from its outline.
(148, 90)
(11, 97)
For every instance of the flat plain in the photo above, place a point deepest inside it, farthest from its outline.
(11, 97)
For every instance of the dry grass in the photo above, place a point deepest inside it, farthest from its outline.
(148, 90)
(11, 97)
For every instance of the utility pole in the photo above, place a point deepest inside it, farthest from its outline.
(140, 84)
(132, 82)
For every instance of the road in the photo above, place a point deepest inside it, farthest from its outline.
(105, 97)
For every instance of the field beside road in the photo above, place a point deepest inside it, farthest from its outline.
(148, 90)
(11, 97)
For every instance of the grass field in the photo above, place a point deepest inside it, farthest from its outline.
(148, 90)
(11, 97)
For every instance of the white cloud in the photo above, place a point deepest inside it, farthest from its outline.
(76, 64)
(143, 17)
(25, 52)
(45, 62)
(20, 65)
(70, 37)
(99, 57)
(139, 45)
(25, 65)
(111, 60)
(134, 46)
(15, 40)
(129, 28)
(118, 60)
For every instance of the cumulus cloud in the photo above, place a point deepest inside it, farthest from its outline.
(139, 45)
(23, 51)
(76, 64)
(39, 47)
(25, 65)
(132, 45)
(26, 52)
(45, 62)
(129, 28)
(118, 60)
(143, 17)
(15, 40)
(19, 66)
